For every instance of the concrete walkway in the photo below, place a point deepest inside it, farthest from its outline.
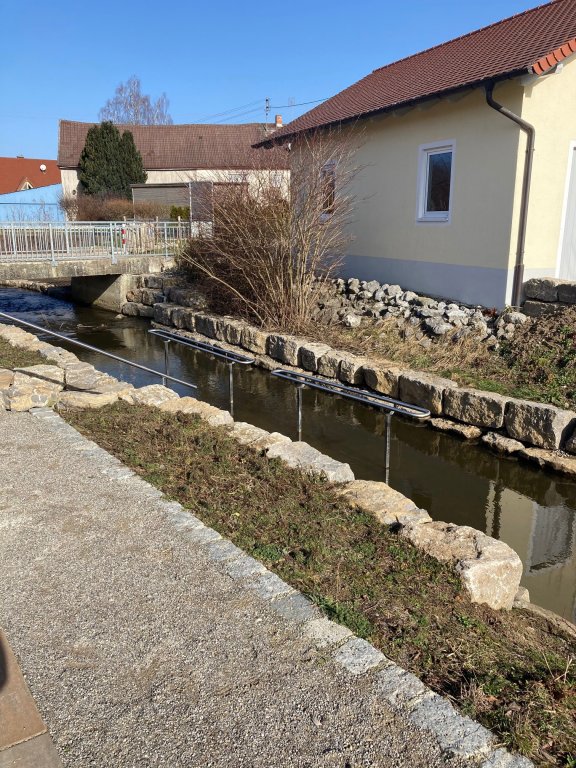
(145, 643)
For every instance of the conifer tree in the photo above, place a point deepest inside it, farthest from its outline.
(110, 162)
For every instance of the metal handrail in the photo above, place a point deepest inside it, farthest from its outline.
(383, 402)
(163, 376)
(231, 358)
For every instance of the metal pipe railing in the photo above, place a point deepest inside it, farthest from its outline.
(164, 376)
(65, 240)
(382, 402)
(231, 358)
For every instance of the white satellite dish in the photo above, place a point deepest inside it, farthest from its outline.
(43, 168)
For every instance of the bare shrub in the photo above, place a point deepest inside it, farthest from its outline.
(271, 249)
(104, 208)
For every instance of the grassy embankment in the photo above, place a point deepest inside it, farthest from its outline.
(514, 672)
(538, 364)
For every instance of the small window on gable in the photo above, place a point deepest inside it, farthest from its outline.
(25, 185)
(328, 181)
(435, 182)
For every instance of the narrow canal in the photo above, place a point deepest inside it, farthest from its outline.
(531, 510)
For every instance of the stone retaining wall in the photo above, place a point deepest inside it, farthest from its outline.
(489, 570)
(547, 295)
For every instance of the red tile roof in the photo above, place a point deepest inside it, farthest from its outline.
(181, 147)
(16, 171)
(530, 42)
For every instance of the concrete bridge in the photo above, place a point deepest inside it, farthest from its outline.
(94, 254)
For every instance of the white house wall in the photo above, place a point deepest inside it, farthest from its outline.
(471, 257)
(280, 178)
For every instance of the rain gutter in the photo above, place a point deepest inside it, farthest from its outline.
(530, 132)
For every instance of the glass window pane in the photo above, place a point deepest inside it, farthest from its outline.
(438, 191)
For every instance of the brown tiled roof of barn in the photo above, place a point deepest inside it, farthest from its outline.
(530, 42)
(16, 171)
(182, 147)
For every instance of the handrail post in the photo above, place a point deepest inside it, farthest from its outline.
(114, 259)
(165, 240)
(299, 388)
(51, 244)
(166, 361)
(387, 449)
(231, 387)
(66, 238)
(14, 249)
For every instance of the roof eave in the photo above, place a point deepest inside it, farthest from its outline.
(279, 140)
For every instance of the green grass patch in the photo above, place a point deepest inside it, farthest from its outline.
(513, 671)
(14, 357)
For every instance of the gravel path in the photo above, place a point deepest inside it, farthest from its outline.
(138, 647)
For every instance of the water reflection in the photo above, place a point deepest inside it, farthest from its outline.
(531, 510)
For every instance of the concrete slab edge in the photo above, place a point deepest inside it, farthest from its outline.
(456, 734)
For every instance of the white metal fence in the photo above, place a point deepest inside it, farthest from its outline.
(68, 240)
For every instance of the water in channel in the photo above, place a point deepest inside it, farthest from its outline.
(530, 509)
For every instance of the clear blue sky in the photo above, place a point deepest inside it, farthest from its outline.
(64, 59)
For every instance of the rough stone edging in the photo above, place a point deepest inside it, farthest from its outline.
(456, 734)
(536, 432)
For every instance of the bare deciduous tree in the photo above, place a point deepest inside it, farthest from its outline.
(272, 250)
(130, 106)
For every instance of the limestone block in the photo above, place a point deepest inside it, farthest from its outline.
(178, 317)
(539, 424)
(490, 570)
(541, 308)
(304, 456)
(131, 309)
(570, 442)
(33, 391)
(151, 297)
(259, 439)
(329, 363)
(382, 377)
(86, 399)
(209, 413)
(387, 505)
(351, 369)
(567, 292)
(153, 281)
(24, 397)
(542, 288)
(310, 355)
(163, 313)
(254, 340)
(466, 431)
(473, 406)
(135, 295)
(232, 331)
(246, 433)
(209, 325)
(187, 297)
(50, 375)
(153, 395)
(424, 389)
(564, 464)
(284, 348)
(502, 444)
(6, 378)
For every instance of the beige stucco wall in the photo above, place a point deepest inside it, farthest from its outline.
(550, 105)
(278, 177)
(477, 246)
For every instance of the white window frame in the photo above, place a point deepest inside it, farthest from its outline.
(425, 151)
(329, 168)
